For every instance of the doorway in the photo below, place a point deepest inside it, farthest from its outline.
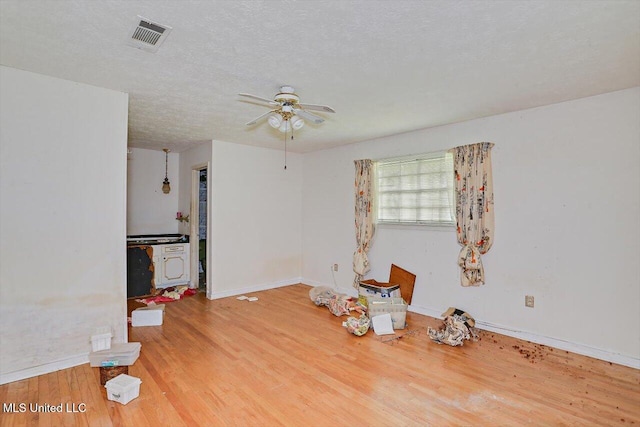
(199, 228)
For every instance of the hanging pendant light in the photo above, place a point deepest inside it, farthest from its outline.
(166, 185)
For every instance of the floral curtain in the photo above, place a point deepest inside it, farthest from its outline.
(474, 208)
(363, 218)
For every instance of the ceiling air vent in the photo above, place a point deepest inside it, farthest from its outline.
(148, 35)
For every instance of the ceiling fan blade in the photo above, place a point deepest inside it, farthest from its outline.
(316, 107)
(308, 116)
(262, 116)
(268, 101)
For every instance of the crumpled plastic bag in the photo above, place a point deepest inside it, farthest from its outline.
(338, 304)
(458, 327)
(357, 326)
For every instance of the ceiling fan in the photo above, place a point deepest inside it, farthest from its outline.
(288, 113)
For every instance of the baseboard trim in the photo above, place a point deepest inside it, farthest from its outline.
(581, 349)
(255, 288)
(47, 368)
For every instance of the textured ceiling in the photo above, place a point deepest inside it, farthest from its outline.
(386, 67)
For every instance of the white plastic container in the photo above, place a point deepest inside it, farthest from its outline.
(117, 355)
(101, 340)
(151, 315)
(123, 388)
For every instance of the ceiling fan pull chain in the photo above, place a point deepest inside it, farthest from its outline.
(285, 150)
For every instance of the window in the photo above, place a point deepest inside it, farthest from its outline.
(415, 190)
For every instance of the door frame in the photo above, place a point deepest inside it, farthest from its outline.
(194, 226)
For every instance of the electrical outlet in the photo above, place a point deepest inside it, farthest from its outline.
(528, 301)
(335, 267)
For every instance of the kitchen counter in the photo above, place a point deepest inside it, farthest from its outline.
(156, 239)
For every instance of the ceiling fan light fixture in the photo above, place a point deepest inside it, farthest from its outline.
(296, 122)
(289, 114)
(275, 120)
(285, 126)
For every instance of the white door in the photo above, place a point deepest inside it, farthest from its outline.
(199, 226)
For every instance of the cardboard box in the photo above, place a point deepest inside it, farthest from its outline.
(372, 288)
(123, 388)
(396, 307)
(151, 315)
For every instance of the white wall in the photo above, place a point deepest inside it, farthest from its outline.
(149, 210)
(62, 220)
(255, 218)
(567, 203)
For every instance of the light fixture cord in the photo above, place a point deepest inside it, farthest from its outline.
(285, 147)
(166, 165)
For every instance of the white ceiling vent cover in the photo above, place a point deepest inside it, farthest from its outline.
(148, 35)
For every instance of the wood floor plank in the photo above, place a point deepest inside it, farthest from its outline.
(282, 361)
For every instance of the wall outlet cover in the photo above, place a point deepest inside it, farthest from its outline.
(529, 301)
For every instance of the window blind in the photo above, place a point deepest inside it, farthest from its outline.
(415, 190)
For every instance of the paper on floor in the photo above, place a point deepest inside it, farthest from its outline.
(382, 324)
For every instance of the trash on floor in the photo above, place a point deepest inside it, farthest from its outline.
(244, 297)
(400, 285)
(373, 288)
(176, 293)
(170, 294)
(337, 303)
(357, 326)
(382, 324)
(399, 336)
(458, 327)
(395, 307)
(151, 315)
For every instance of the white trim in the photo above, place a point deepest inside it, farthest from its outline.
(312, 283)
(255, 288)
(194, 226)
(449, 227)
(34, 371)
(577, 348)
(410, 157)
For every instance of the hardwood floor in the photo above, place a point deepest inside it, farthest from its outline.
(283, 361)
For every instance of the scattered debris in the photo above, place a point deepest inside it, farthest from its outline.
(539, 352)
(396, 339)
(357, 326)
(170, 294)
(338, 304)
(458, 327)
(382, 324)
